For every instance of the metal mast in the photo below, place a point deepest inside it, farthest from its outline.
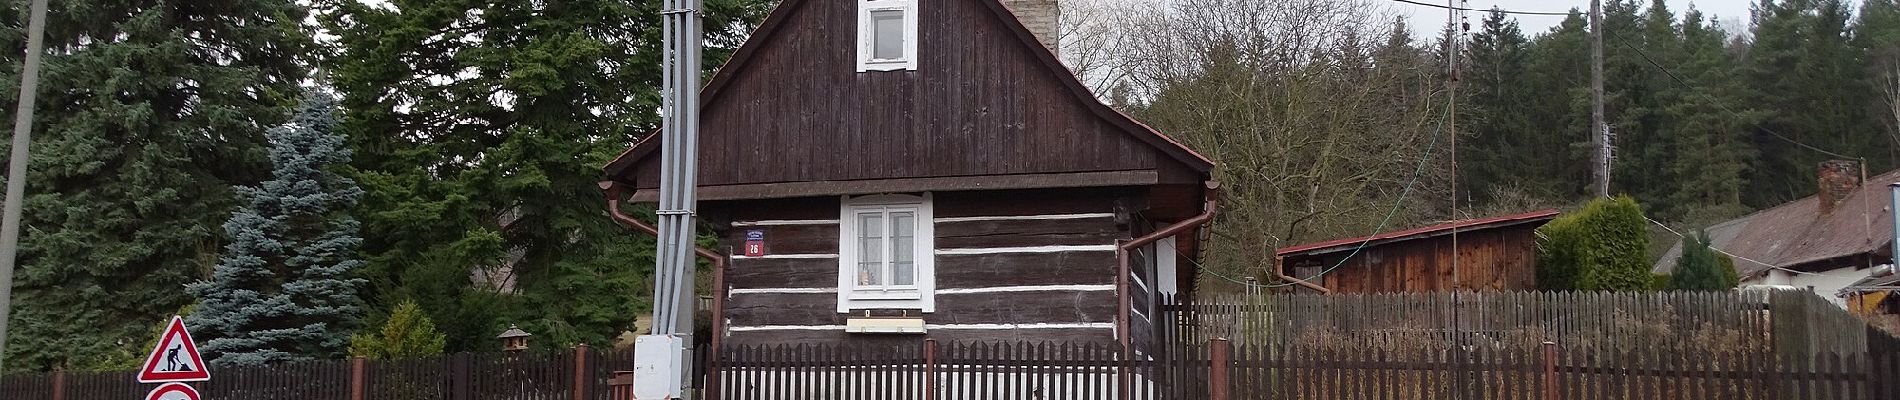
(679, 167)
(16, 167)
(661, 358)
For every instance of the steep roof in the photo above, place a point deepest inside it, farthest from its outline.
(1537, 217)
(1795, 234)
(776, 24)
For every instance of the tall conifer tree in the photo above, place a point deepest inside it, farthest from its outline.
(1502, 150)
(149, 112)
(1558, 75)
(480, 128)
(1708, 121)
(283, 291)
(1810, 82)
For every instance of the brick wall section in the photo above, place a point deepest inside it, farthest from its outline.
(1043, 17)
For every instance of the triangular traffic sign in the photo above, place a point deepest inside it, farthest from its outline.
(175, 359)
(173, 391)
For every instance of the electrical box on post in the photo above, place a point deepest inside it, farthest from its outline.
(661, 366)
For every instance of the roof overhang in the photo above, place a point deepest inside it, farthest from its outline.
(953, 183)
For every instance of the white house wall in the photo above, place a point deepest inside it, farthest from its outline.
(1825, 283)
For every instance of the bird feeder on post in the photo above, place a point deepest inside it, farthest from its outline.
(514, 340)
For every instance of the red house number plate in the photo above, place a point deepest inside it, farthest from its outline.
(754, 243)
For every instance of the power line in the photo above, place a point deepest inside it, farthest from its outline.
(1497, 10)
(1712, 247)
(1685, 83)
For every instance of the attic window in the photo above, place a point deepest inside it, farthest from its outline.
(887, 35)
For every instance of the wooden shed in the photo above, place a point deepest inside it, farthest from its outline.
(1497, 253)
(895, 170)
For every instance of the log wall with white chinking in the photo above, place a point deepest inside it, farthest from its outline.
(1009, 265)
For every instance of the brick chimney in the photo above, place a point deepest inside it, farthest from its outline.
(1042, 17)
(1838, 179)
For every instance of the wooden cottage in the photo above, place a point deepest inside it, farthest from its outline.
(895, 170)
(1497, 253)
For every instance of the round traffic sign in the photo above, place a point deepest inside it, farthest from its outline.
(173, 391)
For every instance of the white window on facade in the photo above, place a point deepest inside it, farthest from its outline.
(885, 252)
(887, 35)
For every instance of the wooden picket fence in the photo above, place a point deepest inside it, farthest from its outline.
(582, 373)
(1479, 346)
(1218, 369)
(1224, 371)
(1783, 322)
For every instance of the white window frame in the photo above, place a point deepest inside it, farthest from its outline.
(921, 295)
(867, 34)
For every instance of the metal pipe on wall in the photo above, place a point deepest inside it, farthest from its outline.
(1279, 271)
(1123, 304)
(1211, 206)
(615, 193)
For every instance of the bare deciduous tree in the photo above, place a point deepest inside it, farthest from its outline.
(1318, 130)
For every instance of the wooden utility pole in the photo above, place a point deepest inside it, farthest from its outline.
(1599, 131)
(1454, 31)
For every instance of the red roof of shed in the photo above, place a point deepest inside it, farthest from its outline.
(1419, 233)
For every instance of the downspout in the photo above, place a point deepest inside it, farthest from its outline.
(1124, 384)
(614, 191)
(1122, 268)
(1281, 273)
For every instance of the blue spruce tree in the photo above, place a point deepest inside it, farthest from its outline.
(283, 290)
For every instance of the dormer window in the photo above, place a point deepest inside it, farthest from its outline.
(887, 35)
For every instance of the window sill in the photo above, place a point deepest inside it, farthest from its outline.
(857, 304)
(885, 325)
(897, 65)
(881, 295)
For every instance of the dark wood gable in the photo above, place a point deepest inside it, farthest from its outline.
(986, 100)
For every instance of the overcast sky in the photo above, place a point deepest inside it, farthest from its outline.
(1733, 13)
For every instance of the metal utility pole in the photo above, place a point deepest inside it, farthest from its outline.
(16, 166)
(679, 151)
(1599, 131)
(662, 367)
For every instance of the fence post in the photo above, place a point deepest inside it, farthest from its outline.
(1123, 366)
(930, 369)
(358, 385)
(1220, 359)
(1550, 370)
(620, 387)
(59, 384)
(459, 377)
(581, 374)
